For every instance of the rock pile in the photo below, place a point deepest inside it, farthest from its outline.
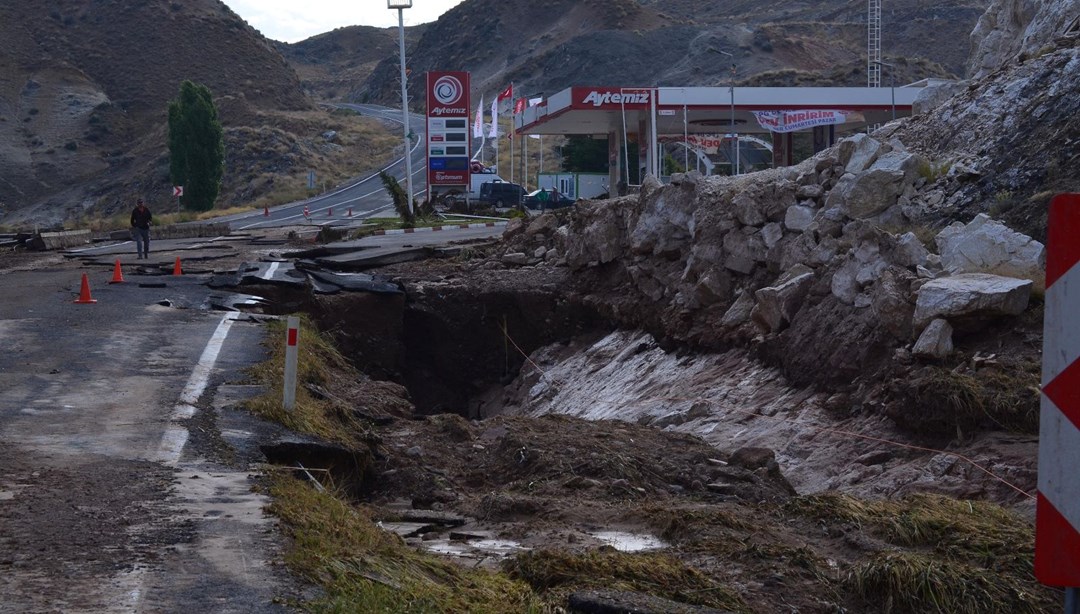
(821, 264)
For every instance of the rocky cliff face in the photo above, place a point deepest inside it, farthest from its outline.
(1011, 27)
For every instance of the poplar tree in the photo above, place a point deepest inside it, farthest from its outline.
(196, 146)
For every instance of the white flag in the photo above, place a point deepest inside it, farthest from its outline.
(478, 123)
(535, 101)
(494, 132)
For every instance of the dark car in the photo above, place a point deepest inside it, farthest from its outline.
(500, 194)
(555, 200)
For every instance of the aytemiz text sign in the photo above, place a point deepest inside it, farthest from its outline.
(611, 98)
(1057, 516)
(448, 129)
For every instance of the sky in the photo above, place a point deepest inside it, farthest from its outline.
(290, 21)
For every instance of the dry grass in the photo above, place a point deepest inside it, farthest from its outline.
(1006, 399)
(365, 569)
(560, 573)
(318, 362)
(962, 556)
(911, 582)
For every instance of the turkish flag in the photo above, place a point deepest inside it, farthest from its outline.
(507, 93)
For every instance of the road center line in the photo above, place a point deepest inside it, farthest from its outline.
(175, 437)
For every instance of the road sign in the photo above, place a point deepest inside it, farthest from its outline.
(1057, 517)
(178, 191)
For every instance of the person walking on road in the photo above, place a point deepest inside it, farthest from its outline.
(140, 228)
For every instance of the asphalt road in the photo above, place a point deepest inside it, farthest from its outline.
(365, 197)
(126, 465)
(111, 499)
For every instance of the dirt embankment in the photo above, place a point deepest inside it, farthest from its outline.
(653, 486)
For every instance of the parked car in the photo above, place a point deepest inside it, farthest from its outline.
(500, 194)
(555, 200)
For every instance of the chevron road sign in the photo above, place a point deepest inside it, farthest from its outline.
(1057, 523)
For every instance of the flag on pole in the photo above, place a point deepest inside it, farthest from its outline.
(478, 123)
(507, 93)
(519, 106)
(494, 132)
(532, 103)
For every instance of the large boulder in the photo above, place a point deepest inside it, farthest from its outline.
(666, 223)
(935, 341)
(798, 218)
(858, 152)
(778, 304)
(973, 295)
(987, 246)
(879, 188)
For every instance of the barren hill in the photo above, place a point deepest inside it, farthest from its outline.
(545, 47)
(331, 64)
(84, 87)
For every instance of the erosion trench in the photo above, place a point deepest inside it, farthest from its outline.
(529, 435)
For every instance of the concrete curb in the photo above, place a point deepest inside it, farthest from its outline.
(406, 231)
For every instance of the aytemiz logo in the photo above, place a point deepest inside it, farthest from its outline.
(448, 90)
(440, 111)
(598, 100)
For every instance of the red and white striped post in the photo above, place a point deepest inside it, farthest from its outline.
(292, 341)
(1057, 521)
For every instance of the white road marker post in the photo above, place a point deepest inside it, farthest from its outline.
(292, 340)
(1057, 515)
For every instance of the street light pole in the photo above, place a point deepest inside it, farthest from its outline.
(735, 133)
(401, 5)
(892, 84)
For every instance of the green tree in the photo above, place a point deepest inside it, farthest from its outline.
(582, 154)
(196, 146)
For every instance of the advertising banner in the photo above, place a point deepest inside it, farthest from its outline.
(792, 121)
(448, 128)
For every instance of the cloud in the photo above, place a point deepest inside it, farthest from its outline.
(290, 21)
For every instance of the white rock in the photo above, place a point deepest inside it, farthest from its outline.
(973, 294)
(811, 191)
(771, 234)
(935, 341)
(843, 285)
(988, 246)
(739, 312)
(540, 251)
(865, 152)
(798, 218)
(777, 305)
(515, 258)
(910, 251)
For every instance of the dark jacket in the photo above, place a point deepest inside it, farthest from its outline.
(140, 218)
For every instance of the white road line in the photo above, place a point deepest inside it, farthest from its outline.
(175, 437)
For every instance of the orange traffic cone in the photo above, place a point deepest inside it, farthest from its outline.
(84, 293)
(118, 274)
(266, 211)
(176, 267)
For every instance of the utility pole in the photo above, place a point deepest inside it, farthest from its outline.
(400, 5)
